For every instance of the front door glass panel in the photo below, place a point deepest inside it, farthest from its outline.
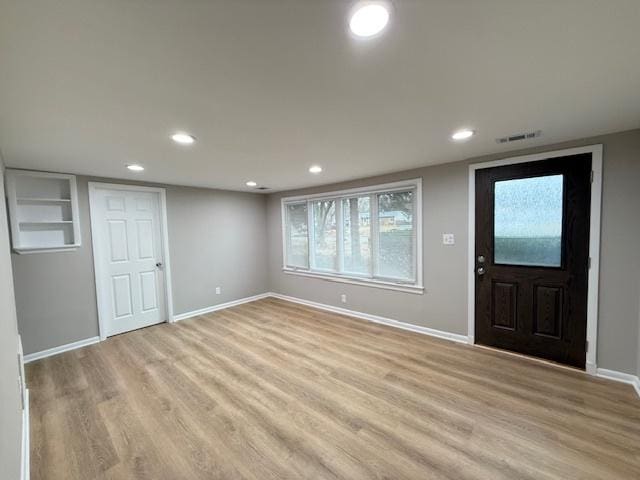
(528, 221)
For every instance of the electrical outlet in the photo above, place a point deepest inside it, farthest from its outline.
(343, 298)
(218, 290)
(448, 239)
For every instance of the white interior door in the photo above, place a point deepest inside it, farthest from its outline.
(129, 273)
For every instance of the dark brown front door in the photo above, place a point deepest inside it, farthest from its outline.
(532, 256)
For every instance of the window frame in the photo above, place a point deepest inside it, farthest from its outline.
(411, 286)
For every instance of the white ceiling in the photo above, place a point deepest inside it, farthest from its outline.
(270, 87)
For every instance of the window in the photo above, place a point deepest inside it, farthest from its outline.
(528, 221)
(396, 235)
(325, 236)
(356, 233)
(296, 237)
(368, 235)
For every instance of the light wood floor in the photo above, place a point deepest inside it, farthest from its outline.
(275, 390)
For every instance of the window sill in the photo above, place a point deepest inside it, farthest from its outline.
(398, 287)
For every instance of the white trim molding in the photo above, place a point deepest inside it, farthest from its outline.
(164, 229)
(221, 306)
(375, 319)
(25, 465)
(594, 239)
(627, 378)
(32, 357)
(334, 277)
(454, 337)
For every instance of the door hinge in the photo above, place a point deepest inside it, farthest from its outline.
(586, 346)
(592, 176)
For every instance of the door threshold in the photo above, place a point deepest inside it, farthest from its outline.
(531, 358)
(136, 329)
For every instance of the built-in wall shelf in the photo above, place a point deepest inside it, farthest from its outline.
(53, 222)
(42, 200)
(43, 211)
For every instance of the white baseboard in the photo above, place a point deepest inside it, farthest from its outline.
(632, 380)
(90, 341)
(591, 369)
(25, 472)
(376, 319)
(62, 348)
(221, 306)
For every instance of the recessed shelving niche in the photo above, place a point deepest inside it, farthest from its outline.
(43, 210)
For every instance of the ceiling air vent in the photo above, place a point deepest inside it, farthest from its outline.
(519, 136)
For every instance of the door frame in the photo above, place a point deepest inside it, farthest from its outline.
(93, 207)
(594, 240)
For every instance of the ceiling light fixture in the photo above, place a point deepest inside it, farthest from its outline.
(135, 167)
(251, 183)
(315, 169)
(183, 138)
(463, 134)
(369, 18)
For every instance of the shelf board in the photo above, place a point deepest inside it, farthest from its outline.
(46, 249)
(42, 200)
(58, 222)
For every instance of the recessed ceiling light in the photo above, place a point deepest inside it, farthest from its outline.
(183, 138)
(463, 134)
(251, 183)
(369, 18)
(135, 168)
(315, 169)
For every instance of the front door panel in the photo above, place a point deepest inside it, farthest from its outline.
(532, 244)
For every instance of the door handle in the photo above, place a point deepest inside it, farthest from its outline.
(481, 271)
(159, 264)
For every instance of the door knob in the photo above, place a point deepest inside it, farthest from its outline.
(159, 264)
(481, 270)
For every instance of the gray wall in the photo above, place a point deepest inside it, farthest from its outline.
(215, 239)
(10, 403)
(444, 304)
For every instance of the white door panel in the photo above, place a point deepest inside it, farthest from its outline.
(121, 286)
(129, 244)
(118, 243)
(144, 229)
(115, 204)
(148, 291)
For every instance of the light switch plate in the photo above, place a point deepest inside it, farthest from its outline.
(448, 239)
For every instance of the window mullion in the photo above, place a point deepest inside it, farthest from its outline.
(311, 233)
(375, 229)
(287, 229)
(414, 222)
(339, 235)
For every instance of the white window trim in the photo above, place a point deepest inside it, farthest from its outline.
(416, 287)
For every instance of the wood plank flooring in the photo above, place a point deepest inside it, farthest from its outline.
(274, 390)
